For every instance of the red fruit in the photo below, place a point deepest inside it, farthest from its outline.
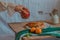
(25, 13)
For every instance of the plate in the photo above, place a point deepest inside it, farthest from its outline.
(46, 25)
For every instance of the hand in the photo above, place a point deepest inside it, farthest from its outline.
(25, 13)
(18, 8)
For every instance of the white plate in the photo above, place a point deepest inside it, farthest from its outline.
(46, 26)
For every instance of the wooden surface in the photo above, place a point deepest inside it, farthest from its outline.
(40, 38)
(16, 27)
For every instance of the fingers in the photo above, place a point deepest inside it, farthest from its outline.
(18, 8)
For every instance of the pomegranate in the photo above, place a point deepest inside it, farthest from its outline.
(25, 13)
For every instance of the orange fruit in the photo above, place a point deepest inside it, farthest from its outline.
(32, 29)
(38, 30)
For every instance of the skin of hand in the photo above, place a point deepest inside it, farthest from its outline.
(25, 13)
(18, 8)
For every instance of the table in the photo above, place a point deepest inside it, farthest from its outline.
(18, 26)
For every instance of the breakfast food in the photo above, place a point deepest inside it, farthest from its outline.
(36, 27)
(36, 24)
(32, 24)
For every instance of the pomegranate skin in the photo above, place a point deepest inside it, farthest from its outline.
(24, 15)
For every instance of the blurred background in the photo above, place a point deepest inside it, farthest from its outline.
(35, 6)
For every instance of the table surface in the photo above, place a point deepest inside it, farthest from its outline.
(18, 26)
(41, 38)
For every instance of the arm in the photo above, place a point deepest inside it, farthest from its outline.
(12, 8)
